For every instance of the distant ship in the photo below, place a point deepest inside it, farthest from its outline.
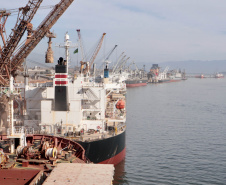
(219, 75)
(157, 76)
(200, 76)
(136, 82)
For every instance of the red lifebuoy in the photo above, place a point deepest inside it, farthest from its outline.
(98, 127)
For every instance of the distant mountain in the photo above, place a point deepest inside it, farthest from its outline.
(194, 66)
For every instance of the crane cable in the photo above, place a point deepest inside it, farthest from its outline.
(14, 11)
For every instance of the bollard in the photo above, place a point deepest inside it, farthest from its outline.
(66, 156)
(25, 163)
(69, 153)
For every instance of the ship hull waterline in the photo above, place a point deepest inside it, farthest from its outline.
(106, 151)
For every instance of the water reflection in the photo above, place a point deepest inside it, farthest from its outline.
(120, 174)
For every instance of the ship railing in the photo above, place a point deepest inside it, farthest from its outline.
(121, 126)
(93, 84)
(17, 130)
(6, 90)
(93, 137)
(20, 130)
(89, 107)
(41, 84)
(30, 130)
(110, 133)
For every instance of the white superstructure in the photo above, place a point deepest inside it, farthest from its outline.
(89, 105)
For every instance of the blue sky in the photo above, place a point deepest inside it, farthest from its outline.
(152, 31)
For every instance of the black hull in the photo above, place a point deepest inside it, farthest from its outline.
(164, 81)
(138, 81)
(109, 151)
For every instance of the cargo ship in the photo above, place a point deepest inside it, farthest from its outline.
(200, 76)
(43, 123)
(27, 157)
(92, 114)
(219, 75)
(136, 82)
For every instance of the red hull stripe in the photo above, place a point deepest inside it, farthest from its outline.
(116, 159)
(175, 80)
(136, 85)
(60, 76)
(61, 82)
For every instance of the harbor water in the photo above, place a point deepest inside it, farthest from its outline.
(176, 134)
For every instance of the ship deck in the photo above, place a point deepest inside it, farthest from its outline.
(93, 135)
(81, 174)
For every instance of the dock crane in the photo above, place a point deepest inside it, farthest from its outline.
(118, 61)
(81, 45)
(91, 61)
(10, 63)
(122, 64)
(3, 18)
(25, 16)
(108, 56)
(96, 51)
(110, 53)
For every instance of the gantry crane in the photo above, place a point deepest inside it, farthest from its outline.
(9, 64)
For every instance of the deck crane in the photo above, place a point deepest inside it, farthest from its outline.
(96, 51)
(91, 61)
(110, 53)
(25, 16)
(136, 71)
(3, 18)
(129, 66)
(82, 62)
(35, 37)
(122, 64)
(81, 45)
(108, 56)
(119, 60)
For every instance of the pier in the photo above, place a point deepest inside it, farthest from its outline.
(77, 173)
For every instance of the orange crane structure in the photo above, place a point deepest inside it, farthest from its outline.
(96, 51)
(3, 18)
(10, 60)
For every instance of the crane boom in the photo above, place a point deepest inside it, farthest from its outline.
(38, 34)
(96, 51)
(3, 18)
(25, 15)
(111, 52)
(81, 45)
(118, 62)
(122, 64)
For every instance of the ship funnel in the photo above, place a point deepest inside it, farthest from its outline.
(106, 74)
(61, 86)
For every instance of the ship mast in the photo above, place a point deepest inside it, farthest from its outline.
(66, 46)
